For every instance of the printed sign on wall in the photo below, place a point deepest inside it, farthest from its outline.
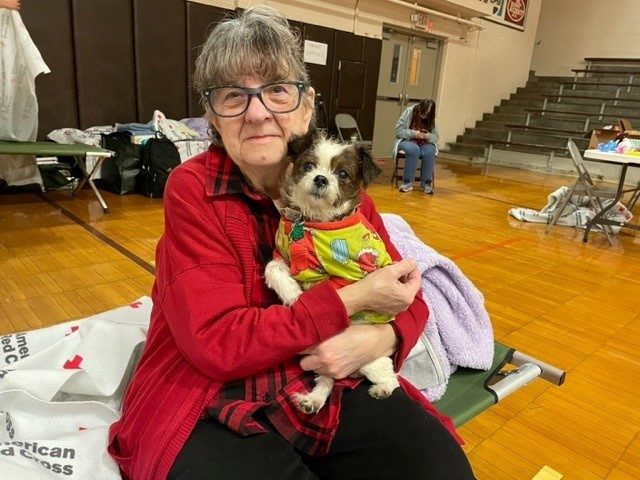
(509, 12)
(315, 52)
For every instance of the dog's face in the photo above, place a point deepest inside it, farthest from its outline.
(326, 177)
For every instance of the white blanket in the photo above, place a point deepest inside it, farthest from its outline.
(577, 213)
(60, 389)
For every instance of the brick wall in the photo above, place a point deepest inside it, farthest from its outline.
(478, 73)
(599, 29)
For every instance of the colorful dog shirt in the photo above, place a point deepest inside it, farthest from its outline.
(343, 252)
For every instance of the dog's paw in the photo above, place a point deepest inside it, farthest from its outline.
(278, 278)
(383, 390)
(288, 298)
(308, 403)
(289, 292)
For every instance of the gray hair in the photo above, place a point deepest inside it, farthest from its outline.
(259, 42)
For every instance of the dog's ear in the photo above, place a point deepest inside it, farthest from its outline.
(299, 144)
(370, 169)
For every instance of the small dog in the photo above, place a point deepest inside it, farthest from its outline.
(322, 235)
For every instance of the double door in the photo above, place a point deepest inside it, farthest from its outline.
(408, 73)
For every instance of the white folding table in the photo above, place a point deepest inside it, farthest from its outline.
(625, 161)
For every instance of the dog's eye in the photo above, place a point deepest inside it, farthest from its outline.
(343, 175)
(308, 166)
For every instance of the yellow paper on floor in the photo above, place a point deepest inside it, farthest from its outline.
(547, 473)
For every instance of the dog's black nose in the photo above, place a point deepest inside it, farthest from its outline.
(320, 181)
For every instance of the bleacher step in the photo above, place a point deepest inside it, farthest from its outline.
(552, 123)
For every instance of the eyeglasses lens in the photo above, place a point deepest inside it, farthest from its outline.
(232, 101)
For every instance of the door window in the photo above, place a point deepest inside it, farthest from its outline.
(414, 72)
(395, 63)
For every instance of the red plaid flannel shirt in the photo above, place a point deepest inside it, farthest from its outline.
(214, 321)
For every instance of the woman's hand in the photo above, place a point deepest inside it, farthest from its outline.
(420, 135)
(10, 4)
(351, 349)
(388, 290)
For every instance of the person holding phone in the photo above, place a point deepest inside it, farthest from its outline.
(417, 136)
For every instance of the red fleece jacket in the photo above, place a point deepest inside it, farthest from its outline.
(214, 320)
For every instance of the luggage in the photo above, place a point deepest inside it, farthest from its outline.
(158, 156)
(118, 173)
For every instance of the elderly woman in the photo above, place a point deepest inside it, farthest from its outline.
(212, 395)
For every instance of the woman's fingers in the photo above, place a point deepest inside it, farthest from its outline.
(391, 289)
(414, 282)
(310, 362)
(346, 352)
(403, 267)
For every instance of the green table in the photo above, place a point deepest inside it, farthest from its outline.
(77, 150)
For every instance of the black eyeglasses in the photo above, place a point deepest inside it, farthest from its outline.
(233, 100)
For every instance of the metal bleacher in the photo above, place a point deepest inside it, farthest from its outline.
(543, 116)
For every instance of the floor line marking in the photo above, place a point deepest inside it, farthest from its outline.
(101, 236)
(488, 248)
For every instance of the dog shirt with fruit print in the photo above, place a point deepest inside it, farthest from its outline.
(343, 251)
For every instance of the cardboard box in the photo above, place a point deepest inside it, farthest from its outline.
(603, 135)
(624, 129)
(628, 130)
(633, 134)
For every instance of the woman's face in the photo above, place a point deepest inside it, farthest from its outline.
(258, 138)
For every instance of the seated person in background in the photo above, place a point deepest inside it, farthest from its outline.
(417, 136)
(212, 397)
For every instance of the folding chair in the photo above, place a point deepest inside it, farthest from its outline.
(584, 186)
(400, 157)
(347, 125)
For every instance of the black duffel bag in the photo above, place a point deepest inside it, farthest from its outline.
(158, 156)
(118, 173)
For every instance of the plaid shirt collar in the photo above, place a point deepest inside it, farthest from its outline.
(223, 177)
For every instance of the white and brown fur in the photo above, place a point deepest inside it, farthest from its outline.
(324, 185)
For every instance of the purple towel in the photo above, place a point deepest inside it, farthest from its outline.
(458, 331)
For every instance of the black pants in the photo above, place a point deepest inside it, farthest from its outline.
(385, 439)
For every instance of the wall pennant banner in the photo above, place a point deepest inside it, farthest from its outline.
(511, 13)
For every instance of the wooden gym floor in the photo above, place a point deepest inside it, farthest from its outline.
(571, 304)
